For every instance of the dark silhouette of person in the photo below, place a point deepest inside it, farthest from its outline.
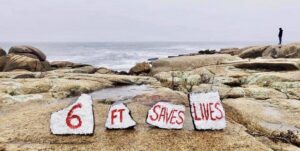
(280, 35)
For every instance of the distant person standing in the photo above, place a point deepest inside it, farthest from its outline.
(280, 35)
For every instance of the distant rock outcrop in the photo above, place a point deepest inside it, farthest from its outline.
(16, 61)
(272, 51)
(231, 51)
(2, 52)
(253, 52)
(66, 64)
(187, 63)
(2, 62)
(140, 68)
(28, 51)
(23, 58)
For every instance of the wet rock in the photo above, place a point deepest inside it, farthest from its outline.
(207, 51)
(27, 51)
(2, 52)
(153, 59)
(122, 73)
(15, 61)
(140, 68)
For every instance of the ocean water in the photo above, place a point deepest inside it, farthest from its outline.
(121, 55)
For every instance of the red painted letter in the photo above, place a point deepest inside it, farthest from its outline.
(153, 119)
(181, 115)
(113, 116)
(195, 113)
(216, 106)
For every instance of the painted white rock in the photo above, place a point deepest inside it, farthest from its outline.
(119, 117)
(207, 111)
(75, 119)
(166, 115)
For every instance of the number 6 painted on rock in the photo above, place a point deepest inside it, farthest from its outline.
(71, 116)
(75, 119)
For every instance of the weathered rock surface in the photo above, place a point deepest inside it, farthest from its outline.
(103, 70)
(272, 116)
(187, 63)
(272, 51)
(260, 96)
(2, 62)
(271, 64)
(16, 61)
(61, 84)
(35, 135)
(253, 52)
(140, 68)
(28, 51)
(231, 51)
(2, 52)
(66, 64)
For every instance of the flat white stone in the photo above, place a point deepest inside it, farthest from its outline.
(166, 115)
(119, 117)
(207, 111)
(78, 118)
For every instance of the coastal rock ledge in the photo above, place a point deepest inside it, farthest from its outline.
(260, 96)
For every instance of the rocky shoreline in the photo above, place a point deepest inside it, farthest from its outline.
(259, 87)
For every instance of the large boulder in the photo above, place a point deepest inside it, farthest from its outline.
(273, 51)
(2, 52)
(28, 51)
(289, 51)
(15, 61)
(2, 62)
(140, 68)
(253, 52)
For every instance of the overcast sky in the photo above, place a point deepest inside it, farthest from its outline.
(148, 20)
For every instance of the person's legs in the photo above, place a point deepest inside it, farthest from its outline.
(280, 40)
